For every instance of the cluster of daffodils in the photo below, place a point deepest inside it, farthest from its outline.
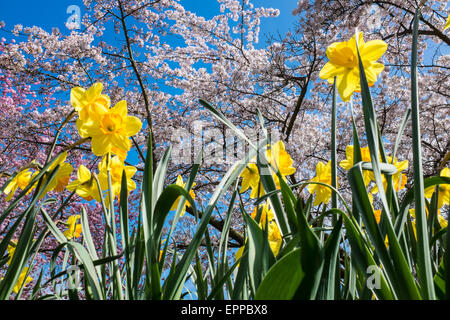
(59, 181)
(24, 279)
(278, 159)
(266, 219)
(109, 129)
(323, 175)
(73, 230)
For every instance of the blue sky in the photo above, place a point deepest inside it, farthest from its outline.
(50, 13)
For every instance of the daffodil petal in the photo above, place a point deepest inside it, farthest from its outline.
(132, 125)
(373, 50)
(120, 108)
(77, 98)
(100, 145)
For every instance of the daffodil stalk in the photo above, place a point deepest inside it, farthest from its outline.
(116, 270)
(110, 236)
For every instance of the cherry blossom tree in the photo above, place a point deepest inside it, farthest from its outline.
(161, 59)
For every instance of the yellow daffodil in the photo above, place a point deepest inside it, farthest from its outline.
(90, 103)
(73, 229)
(278, 159)
(22, 281)
(377, 214)
(266, 213)
(116, 167)
(398, 179)
(239, 253)
(112, 130)
(85, 185)
(442, 221)
(274, 235)
(180, 183)
(348, 163)
(11, 249)
(250, 177)
(444, 190)
(20, 181)
(62, 176)
(344, 64)
(323, 174)
(122, 154)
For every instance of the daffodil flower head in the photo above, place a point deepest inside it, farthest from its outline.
(85, 185)
(22, 281)
(278, 160)
(323, 175)
(349, 162)
(11, 249)
(61, 177)
(90, 103)
(266, 213)
(344, 64)
(250, 177)
(399, 179)
(112, 130)
(180, 183)
(443, 190)
(73, 228)
(20, 181)
(442, 221)
(274, 237)
(267, 218)
(116, 167)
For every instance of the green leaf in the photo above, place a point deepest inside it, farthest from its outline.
(440, 282)
(362, 256)
(268, 182)
(424, 268)
(311, 257)
(283, 279)
(260, 256)
(331, 260)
